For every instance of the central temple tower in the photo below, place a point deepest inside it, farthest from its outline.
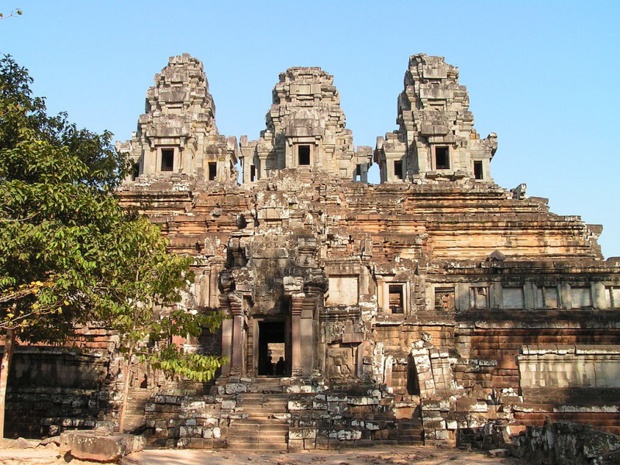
(305, 130)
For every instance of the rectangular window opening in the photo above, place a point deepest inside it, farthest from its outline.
(396, 298)
(212, 170)
(358, 172)
(303, 153)
(442, 158)
(167, 159)
(398, 169)
(252, 173)
(478, 170)
(135, 171)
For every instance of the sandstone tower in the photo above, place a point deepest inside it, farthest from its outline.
(177, 133)
(305, 131)
(436, 138)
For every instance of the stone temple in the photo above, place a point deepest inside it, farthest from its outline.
(431, 306)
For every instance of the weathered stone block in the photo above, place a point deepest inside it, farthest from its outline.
(88, 445)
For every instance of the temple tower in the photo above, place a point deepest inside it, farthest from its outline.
(177, 133)
(305, 130)
(436, 138)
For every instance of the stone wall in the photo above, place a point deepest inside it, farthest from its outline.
(567, 444)
(569, 366)
(55, 389)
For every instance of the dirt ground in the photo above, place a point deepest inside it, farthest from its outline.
(375, 456)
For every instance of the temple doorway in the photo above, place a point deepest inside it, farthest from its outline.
(274, 353)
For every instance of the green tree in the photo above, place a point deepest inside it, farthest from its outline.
(55, 185)
(65, 242)
(145, 284)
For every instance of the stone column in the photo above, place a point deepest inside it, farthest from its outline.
(227, 331)
(297, 301)
(236, 362)
(306, 331)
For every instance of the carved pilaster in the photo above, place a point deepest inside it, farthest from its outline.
(237, 346)
(297, 303)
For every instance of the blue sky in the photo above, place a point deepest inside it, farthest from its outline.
(544, 75)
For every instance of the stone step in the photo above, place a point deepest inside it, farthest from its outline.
(142, 394)
(250, 396)
(411, 442)
(257, 443)
(268, 438)
(136, 405)
(266, 408)
(257, 447)
(258, 428)
(263, 419)
(266, 385)
(133, 422)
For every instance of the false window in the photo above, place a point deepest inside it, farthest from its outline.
(478, 170)
(167, 159)
(303, 155)
(581, 297)
(442, 158)
(396, 298)
(444, 298)
(612, 296)
(343, 290)
(212, 170)
(547, 297)
(398, 169)
(512, 298)
(479, 297)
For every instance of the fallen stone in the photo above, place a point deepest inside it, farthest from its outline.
(499, 453)
(87, 445)
(22, 443)
(53, 440)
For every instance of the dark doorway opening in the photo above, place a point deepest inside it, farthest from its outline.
(478, 174)
(212, 171)
(442, 158)
(398, 169)
(304, 155)
(167, 159)
(273, 353)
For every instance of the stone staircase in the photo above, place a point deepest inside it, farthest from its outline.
(410, 432)
(260, 422)
(134, 414)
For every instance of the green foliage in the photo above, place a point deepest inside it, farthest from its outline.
(69, 253)
(55, 184)
(146, 282)
(175, 361)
